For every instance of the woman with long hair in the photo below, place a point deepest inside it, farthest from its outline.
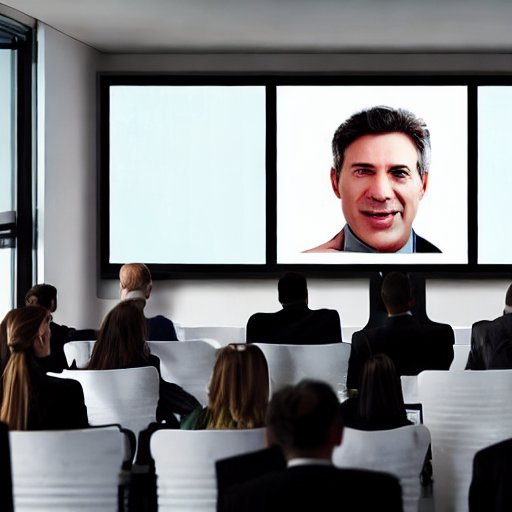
(122, 343)
(380, 403)
(238, 392)
(30, 399)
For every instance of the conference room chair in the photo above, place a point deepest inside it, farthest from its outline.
(188, 364)
(128, 397)
(288, 364)
(68, 470)
(78, 352)
(221, 333)
(464, 411)
(400, 452)
(460, 356)
(185, 464)
(462, 335)
(6, 501)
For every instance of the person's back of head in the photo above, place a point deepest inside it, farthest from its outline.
(292, 289)
(239, 388)
(397, 293)
(43, 294)
(380, 397)
(133, 278)
(305, 420)
(23, 329)
(121, 340)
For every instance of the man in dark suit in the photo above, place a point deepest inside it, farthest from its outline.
(412, 345)
(305, 420)
(295, 323)
(490, 489)
(491, 340)
(46, 295)
(136, 284)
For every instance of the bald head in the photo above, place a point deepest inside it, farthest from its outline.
(135, 277)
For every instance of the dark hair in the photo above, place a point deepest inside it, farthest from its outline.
(42, 294)
(301, 416)
(378, 120)
(397, 291)
(380, 396)
(121, 340)
(292, 287)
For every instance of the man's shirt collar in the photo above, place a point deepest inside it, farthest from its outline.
(308, 461)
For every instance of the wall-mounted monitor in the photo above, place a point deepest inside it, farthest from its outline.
(250, 175)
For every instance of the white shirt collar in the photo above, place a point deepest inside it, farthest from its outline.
(308, 461)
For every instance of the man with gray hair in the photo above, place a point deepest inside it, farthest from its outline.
(136, 284)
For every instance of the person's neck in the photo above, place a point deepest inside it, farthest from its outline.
(134, 294)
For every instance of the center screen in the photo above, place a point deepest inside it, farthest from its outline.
(372, 174)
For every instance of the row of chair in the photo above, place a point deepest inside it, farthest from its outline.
(80, 469)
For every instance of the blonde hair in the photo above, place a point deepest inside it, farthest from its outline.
(135, 276)
(239, 388)
(21, 329)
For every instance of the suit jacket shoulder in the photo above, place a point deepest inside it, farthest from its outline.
(423, 245)
(325, 488)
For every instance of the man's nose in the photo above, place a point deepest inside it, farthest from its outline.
(380, 188)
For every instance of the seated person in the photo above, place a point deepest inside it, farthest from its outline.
(238, 392)
(491, 341)
(490, 489)
(295, 323)
(136, 284)
(46, 296)
(380, 403)
(122, 344)
(413, 346)
(30, 399)
(305, 420)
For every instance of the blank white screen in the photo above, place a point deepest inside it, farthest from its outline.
(187, 174)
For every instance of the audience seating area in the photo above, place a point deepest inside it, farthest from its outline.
(463, 412)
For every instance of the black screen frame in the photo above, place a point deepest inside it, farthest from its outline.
(271, 268)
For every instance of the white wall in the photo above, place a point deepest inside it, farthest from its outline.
(68, 105)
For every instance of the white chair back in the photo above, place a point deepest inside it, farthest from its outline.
(188, 364)
(68, 470)
(464, 411)
(460, 357)
(462, 335)
(410, 389)
(400, 452)
(288, 364)
(222, 334)
(128, 397)
(185, 464)
(79, 352)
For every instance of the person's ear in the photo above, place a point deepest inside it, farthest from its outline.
(424, 184)
(53, 305)
(337, 433)
(148, 290)
(334, 183)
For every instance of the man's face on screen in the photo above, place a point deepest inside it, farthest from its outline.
(380, 189)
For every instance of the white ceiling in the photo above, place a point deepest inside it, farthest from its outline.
(153, 26)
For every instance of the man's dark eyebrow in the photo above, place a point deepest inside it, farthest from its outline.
(362, 164)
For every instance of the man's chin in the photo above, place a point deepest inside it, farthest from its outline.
(384, 242)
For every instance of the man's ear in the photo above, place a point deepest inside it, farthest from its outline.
(148, 290)
(424, 184)
(334, 183)
(337, 433)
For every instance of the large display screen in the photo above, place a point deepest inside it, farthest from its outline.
(218, 176)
